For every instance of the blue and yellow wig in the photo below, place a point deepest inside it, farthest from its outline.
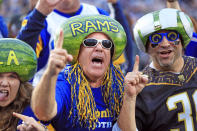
(83, 106)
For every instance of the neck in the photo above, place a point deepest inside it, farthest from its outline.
(95, 83)
(176, 67)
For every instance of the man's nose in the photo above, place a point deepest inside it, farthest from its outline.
(164, 42)
(99, 45)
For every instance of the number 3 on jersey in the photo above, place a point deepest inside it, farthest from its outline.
(186, 115)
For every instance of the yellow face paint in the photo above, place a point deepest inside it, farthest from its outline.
(17, 56)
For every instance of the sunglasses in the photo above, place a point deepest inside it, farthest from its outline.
(107, 44)
(157, 38)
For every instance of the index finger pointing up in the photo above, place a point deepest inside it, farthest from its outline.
(59, 41)
(136, 65)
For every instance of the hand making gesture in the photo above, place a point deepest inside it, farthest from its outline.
(46, 6)
(134, 81)
(58, 57)
(29, 123)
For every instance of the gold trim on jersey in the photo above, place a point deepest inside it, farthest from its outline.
(39, 46)
(192, 75)
(162, 84)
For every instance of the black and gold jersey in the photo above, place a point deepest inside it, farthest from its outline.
(169, 101)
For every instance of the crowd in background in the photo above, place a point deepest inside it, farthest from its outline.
(13, 11)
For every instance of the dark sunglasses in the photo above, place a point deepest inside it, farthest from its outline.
(157, 38)
(107, 44)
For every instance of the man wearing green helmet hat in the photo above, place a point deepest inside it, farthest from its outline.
(88, 95)
(168, 101)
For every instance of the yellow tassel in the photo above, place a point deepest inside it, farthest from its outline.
(85, 102)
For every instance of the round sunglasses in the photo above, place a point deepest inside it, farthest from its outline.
(107, 44)
(157, 38)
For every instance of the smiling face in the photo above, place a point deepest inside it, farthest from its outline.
(9, 86)
(95, 60)
(167, 56)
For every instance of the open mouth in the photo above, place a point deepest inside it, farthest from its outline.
(3, 94)
(165, 53)
(97, 60)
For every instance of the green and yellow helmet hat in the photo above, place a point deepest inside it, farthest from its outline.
(77, 28)
(165, 19)
(17, 56)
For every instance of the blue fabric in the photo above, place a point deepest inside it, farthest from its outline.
(63, 98)
(28, 112)
(191, 49)
(30, 32)
(102, 12)
(3, 28)
(31, 38)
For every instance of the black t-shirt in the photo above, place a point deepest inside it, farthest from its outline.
(169, 101)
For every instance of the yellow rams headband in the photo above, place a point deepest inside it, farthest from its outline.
(17, 56)
(77, 28)
(165, 19)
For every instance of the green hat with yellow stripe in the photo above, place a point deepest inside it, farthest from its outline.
(17, 56)
(165, 19)
(77, 28)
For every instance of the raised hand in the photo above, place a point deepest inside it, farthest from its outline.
(28, 124)
(46, 6)
(58, 57)
(134, 81)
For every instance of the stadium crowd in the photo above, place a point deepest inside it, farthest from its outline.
(112, 65)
